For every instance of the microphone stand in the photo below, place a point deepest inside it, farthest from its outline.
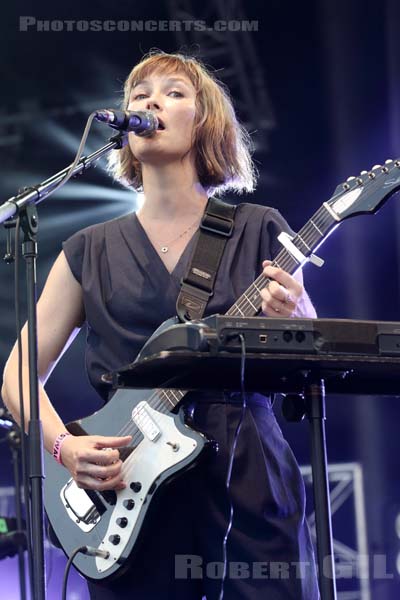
(24, 204)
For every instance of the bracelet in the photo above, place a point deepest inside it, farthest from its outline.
(57, 446)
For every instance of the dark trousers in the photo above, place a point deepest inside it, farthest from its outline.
(269, 552)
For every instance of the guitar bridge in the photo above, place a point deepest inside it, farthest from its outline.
(80, 507)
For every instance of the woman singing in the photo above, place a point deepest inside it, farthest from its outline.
(121, 279)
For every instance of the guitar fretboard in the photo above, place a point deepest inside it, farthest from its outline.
(306, 241)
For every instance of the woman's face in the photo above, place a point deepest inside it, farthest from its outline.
(172, 98)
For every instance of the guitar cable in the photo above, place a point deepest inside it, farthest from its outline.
(230, 464)
(89, 551)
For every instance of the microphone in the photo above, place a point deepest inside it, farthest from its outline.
(140, 122)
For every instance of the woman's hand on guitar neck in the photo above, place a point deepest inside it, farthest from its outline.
(94, 461)
(285, 295)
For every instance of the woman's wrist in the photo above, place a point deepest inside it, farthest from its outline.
(58, 445)
(304, 308)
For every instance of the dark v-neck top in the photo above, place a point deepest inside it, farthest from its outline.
(128, 292)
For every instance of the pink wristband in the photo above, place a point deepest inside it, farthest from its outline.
(57, 446)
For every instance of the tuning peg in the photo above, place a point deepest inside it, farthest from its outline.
(376, 167)
(363, 172)
(371, 175)
(388, 161)
(350, 178)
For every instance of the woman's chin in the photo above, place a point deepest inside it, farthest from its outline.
(154, 155)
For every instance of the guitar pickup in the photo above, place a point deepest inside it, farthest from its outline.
(144, 421)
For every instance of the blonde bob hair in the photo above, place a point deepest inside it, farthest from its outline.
(221, 145)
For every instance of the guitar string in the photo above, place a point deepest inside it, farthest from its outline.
(306, 234)
(284, 263)
(130, 426)
(243, 302)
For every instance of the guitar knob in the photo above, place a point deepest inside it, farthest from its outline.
(122, 522)
(129, 504)
(136, 486)
(114, 539)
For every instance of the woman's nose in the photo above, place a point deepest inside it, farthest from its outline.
(153, 104)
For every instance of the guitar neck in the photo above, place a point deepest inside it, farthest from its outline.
(308, 240)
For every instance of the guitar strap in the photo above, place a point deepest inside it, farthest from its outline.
(197, 286)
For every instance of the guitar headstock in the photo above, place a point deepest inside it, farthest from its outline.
(367, 192)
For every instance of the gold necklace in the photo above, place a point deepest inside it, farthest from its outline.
(166, 247)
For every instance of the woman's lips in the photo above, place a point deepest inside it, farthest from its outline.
(161, 125)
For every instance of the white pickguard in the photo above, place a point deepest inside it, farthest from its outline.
(152, 457)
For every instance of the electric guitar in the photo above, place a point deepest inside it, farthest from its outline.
(164, 445)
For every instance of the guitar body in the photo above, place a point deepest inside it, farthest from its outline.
(112, 521)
